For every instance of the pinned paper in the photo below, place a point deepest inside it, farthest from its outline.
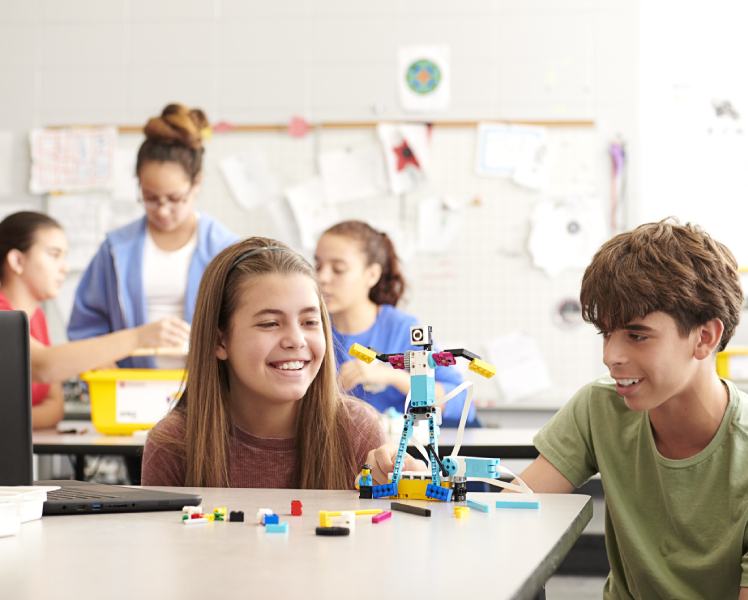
(407, 154)
(423, 78)
(501, 148)
(534, 166)
(249, 179)
(125, 180)
(521, 371)
(312, 212)
(566, 234)
(439, 222)
(353, 174)
(79, 217)
(72, 159)
(284, 221)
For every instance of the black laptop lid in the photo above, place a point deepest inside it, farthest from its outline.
(15, 399)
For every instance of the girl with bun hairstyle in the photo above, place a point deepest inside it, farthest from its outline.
(32, 269)
(359, 273)
(150, 269)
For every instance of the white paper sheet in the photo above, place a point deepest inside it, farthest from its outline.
(312, 212)
(6, 162)
(566, 233)
(249, 179)
(353, 174)
(125, 181)
(439, 223)
(423, 78)
(79, 217)
(405, 173)
(534, 166)
(286, 229)
(72, 159)
(520, 368)
(501, 147)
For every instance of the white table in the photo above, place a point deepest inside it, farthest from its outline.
(506, 554)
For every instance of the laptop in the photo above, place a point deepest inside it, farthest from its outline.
(16, 446)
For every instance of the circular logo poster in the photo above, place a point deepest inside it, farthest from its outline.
(423, 76)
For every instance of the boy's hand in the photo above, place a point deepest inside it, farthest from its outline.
(382, 462)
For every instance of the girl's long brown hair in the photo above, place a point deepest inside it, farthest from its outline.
(324, 450)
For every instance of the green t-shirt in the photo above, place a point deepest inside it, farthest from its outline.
(674, 529)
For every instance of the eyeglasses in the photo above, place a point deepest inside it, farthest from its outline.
(171, 202)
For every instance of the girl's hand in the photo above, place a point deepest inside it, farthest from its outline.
(382, 462)
(355, 372)
(166, 333)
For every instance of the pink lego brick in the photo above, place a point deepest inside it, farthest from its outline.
(397, 361)
(444, 359)
(381, 517)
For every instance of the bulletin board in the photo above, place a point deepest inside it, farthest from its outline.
(480, 287)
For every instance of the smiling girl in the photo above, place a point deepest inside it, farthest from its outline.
(151, 269)
(32, 269)
(261, 407)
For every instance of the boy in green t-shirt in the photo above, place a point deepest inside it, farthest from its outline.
(667, 435)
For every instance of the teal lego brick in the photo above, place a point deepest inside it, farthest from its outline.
(478, 506)
(276, 528)
(517, 504)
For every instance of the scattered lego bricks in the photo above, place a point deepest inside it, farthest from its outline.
(262, 513)
(517, 504)
(478, 506)
(414, 510)
(462, 512)
(326, 521)
(236, 516)
(381, 517)
(271, 520)
(296, 508)
(332, 531)
(194, 521)
(276, 527)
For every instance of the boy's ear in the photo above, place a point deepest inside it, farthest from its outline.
(15, 260)
(221, 352)
(710, 335)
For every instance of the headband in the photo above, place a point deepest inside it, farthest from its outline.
(252, 252)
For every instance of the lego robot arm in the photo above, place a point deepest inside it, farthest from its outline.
(368, 355)
(476, 364)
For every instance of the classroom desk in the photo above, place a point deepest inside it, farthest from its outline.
(505, 554)
(485, 443)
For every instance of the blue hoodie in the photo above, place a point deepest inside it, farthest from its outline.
(110, 295)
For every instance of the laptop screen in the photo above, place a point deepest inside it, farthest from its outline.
(15, 399)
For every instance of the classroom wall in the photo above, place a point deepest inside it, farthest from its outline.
(92, 62)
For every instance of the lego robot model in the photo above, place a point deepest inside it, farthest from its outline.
(420, 365)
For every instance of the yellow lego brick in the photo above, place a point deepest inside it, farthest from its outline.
(462, 512)
(358, 351)
(482, 368)
(220, 511)
(210, 517)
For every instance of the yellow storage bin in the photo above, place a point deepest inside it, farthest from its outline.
(126, 400)
(732, 363)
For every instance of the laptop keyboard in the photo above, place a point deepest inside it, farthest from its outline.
(68, 494)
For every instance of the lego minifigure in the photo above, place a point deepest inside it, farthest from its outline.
(365, 483)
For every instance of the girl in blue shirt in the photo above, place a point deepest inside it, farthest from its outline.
(359, 273)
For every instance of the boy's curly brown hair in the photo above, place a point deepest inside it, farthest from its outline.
(668, 267)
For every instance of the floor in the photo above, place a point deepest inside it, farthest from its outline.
(564, 587)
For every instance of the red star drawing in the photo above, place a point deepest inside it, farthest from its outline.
(405, 157)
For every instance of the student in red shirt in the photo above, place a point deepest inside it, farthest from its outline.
(32, 269)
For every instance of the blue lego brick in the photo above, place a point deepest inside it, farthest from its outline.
(478, 506)
(481, 467)
(516, 504)
(384, 491)
(422, 390)
(438, 492)
(271, 520)
(277, 528)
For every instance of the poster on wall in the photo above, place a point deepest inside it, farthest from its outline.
(407, 153)
(503, 148)
(423, 78)
(72, 159)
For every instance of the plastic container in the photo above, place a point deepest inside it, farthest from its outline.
(127, 400)
(20, 504)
